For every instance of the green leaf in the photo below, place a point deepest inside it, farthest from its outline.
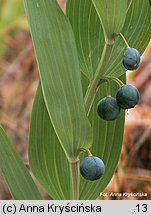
(112, 15)
(88, 34)
(107, 143)
(60, 74)
(90, 38)
(137, 31)
(48, 161)
(15, 173)
(46, 156)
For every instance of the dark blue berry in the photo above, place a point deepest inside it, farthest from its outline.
(127, 96)
(92, 168)
(108, 108)
(131, 59)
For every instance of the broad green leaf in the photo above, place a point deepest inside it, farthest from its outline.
(88, 34)
(60, 74)
(48, 161)
(129, 2)
(107, 143)
(46, 156)
(137, 31)
(112, 16)
(15, 173)
(90, 39)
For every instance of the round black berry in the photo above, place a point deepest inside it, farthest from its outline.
(92, 168)
(108, 108)
(131, 59)
(127, 96)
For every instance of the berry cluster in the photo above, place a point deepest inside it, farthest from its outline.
(127, 96)
(108, 108)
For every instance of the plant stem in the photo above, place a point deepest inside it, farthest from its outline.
(74, 170)
(94, 84)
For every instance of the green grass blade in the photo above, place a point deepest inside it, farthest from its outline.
(60, 74)
(46, 156)
(15, 173)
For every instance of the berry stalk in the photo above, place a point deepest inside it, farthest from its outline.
(124, 40)
(115, 79)
(87, 151)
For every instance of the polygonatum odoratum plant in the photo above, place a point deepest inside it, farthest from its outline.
(77, 120)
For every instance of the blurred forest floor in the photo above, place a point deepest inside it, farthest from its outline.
(18, 83)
